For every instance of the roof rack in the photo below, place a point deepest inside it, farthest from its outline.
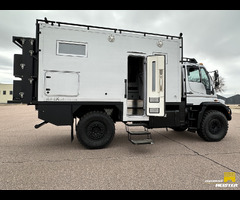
(190, 60)
(180, 37)
(106, 28)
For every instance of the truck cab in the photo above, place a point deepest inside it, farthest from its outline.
(206, 114)
(198, 83)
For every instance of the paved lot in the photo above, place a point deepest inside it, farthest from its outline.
(46, 159)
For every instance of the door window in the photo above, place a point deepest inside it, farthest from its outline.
(153, 76)
(199, 76)
(193, 74)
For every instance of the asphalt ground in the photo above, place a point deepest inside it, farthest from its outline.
(46, 159)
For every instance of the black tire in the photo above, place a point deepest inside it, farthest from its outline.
(95, 130)
(214, 126)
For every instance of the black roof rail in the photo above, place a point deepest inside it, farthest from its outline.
(106, 28)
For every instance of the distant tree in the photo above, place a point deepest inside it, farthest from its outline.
(220, 88)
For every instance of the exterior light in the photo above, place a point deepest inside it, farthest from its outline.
(111, 38)
(159, 43)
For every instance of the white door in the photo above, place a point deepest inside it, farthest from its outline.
(62, 83)
(155, 85)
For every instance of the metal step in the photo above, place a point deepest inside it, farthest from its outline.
(192, 129)
(137, 134)
(136, 124)
(145, 141)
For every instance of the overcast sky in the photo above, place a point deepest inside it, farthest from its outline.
(212, 37)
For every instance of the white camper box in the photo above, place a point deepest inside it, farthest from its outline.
(77, 64)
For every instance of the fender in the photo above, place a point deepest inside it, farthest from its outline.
(214, 106)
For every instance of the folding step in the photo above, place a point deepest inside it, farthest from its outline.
(138, 134)
(192, 129)
(145, 141)
(136, 124)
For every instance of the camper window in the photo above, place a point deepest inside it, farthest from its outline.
(71, 48)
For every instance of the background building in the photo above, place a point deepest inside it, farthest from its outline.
(6, 91)
(235, 99)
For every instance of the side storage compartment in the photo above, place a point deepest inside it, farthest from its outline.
(19, 66)
(62, 83)
(25, 67)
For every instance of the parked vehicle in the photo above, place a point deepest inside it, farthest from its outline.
(94, 76)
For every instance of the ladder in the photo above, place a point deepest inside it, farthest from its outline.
(135, 136)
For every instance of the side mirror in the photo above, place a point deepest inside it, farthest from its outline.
(216, 78)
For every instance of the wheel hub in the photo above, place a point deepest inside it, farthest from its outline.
(95, 130)
(215, 126)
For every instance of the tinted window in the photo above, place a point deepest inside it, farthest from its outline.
(71, 48)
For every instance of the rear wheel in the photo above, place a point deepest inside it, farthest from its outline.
(95, 130)
(214, 126)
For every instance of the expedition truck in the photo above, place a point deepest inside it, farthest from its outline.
(90, 77)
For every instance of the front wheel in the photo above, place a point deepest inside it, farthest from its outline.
(95, 130)
(214, 126)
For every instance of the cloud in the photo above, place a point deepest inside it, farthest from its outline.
(210, 36)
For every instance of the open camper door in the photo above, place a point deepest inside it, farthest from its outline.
(155, 85)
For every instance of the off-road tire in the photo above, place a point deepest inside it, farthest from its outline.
(95, 130)
(214, 126)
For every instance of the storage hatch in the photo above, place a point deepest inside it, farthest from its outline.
(62, 83)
